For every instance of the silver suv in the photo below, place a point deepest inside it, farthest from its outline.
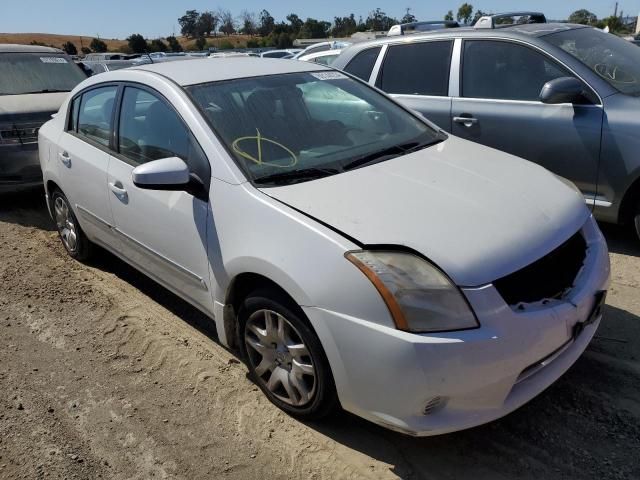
(563, 96)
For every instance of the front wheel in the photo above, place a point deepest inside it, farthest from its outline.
(73, 238)
(285, 357)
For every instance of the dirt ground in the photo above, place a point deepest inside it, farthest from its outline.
(104, 374)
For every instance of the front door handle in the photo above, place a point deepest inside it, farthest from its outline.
(467, 121)
(65, 158)
(117, 189)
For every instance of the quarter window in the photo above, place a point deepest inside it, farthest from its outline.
(96, 114)
(503, 70)
(151, 130)
(362, 64)
(417, 69)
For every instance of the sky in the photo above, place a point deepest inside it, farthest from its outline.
(157, 18)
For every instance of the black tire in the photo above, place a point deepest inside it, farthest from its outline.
(324, 400)
(81, 249)
(635, 220)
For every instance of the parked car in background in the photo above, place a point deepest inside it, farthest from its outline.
(288, 53)
(325, 58)
(354, 252)
(94, 68)
(321, 47)
(33, 83)
(417, 27)
(563, 96)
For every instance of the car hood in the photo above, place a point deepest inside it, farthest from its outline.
(477, 213)
(33, 103)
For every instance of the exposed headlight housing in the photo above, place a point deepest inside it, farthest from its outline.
(419, 296)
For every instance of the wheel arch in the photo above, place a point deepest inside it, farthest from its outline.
(630, 200)
(239, 288)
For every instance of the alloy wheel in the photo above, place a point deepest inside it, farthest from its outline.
(279, 357)
(66, 224)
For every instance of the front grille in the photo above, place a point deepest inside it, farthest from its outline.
(550, 277)
(19, 134)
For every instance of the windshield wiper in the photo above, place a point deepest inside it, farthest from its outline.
(304, 174)
(389, 153)
(44, 90)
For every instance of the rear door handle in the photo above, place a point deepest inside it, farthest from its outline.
(466, 121)
(117, 189)
(65, 158)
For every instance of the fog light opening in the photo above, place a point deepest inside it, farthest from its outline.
(434, 404)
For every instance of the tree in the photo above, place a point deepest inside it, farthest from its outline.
(227, 22)
(295, 22)
(201, 43)
(378, 21)
(157, 45)
(313, 28)
(267, 23)
(583, 17)
(465, 13)
(615, 24)
(137, 43)
(189, 23)
(85, 50)
(248, 20)
(98, 45)
(207, 22)
(69, 48)
(408, 17)
(449, 16)
(174, 45)
(344, 26)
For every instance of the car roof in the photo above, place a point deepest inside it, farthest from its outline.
(532, 30)
(15, 48)
(206, 70)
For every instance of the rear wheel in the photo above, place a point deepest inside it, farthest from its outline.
(73, 238)
(285, 357)
(636, 220)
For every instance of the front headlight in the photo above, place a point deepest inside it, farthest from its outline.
(419, 296)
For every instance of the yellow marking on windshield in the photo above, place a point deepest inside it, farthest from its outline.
(259, 140)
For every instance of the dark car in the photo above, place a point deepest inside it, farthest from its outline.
(34, 81)
(560, 95)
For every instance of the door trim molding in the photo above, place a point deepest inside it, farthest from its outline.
(197, 280)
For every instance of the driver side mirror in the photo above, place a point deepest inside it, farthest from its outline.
(164, 174)
(562, 90)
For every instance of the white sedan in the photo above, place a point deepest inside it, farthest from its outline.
(355, 254)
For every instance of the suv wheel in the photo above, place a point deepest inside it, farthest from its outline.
(285, 357)
(73, 238)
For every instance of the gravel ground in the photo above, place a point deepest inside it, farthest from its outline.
(104, 374)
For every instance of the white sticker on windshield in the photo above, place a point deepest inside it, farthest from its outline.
(329, 75)
(53, 60)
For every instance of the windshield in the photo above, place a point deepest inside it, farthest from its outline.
(300, 126)
(22, 73)
(614, 59)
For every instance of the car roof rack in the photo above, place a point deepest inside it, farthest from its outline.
(502, 20)
(420, 27)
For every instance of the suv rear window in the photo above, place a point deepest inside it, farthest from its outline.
(417, 69)
(362, 64)
(23, 73)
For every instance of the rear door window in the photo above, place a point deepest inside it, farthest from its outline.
(505, 70)
(95, 118)
(362, 64)
(417, 68)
